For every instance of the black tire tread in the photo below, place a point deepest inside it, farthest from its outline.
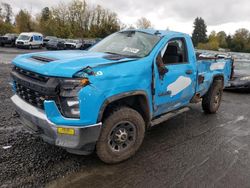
(206, 101)
(116, 114)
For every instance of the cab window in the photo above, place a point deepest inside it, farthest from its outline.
(175, 52)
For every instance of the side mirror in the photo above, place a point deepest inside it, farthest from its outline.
(31, 39)
(162, 69)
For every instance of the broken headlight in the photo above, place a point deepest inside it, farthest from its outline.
(69, 102)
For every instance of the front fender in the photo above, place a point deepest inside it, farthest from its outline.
(122, 96)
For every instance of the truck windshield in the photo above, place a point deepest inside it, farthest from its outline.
(127, 43)
(23, 37)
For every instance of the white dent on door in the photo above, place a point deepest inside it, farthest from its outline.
(179, 85)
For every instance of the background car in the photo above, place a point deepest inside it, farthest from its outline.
(9, 39)
(223, 56)
(47, 39)
(87, 43)
(56, 44)
(241, 77)
(29, 40)
(73, 44)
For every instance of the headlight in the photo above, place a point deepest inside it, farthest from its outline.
(246, 78)
(70, 107)
(69, 89)
(74, 83)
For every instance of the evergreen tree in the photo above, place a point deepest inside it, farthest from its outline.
(45, 14)
(23, 21)
(200, 29)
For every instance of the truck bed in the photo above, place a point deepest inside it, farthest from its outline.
(207, 68)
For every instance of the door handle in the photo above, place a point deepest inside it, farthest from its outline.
(189, 71)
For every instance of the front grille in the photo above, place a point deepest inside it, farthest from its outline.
(3, 38)
(35, 88)
(30, 74)
(70, 46)
(33, 97)
(20, 43)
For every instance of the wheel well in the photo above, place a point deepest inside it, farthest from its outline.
(136, 102)
(219, 77)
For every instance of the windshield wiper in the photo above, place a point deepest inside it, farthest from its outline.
(113, 53)
(132, 56)
(123, 55)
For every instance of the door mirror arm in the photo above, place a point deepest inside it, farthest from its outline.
(161, 66)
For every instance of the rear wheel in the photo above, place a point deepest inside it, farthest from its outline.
(212, 100)
(122, 135)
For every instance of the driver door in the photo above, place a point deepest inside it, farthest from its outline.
(175, 87)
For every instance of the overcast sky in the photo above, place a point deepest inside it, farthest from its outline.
(178, 15)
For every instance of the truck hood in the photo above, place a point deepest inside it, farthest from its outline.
(65, 63)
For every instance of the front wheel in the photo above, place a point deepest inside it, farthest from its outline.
(122, 135)
(212, 100)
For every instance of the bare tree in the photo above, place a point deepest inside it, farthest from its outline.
(143, 23)
(7, 12)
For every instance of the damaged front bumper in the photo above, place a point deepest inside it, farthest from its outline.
(35, 120)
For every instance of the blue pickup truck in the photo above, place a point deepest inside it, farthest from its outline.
(104, 99)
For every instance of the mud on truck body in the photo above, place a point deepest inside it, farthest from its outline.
(104, 99)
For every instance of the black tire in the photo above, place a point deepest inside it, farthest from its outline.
(107, 148)
(30, 47)
(212, 100)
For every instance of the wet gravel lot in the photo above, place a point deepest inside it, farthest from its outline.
(191, 150)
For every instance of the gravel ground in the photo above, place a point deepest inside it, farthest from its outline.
(191, 150)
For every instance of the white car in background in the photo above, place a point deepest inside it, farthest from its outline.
(29, 40)
(73, 44)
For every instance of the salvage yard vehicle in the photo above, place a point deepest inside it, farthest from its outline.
(241, 77)
(104, 99)
(47, 39)
(72, 44)
(56, 44)
(8, 39)
(29, 40)
(87, 43)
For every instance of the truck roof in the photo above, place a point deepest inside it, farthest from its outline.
(158, 32)
(31, 33)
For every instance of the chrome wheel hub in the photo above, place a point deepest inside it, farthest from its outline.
(122, 136)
